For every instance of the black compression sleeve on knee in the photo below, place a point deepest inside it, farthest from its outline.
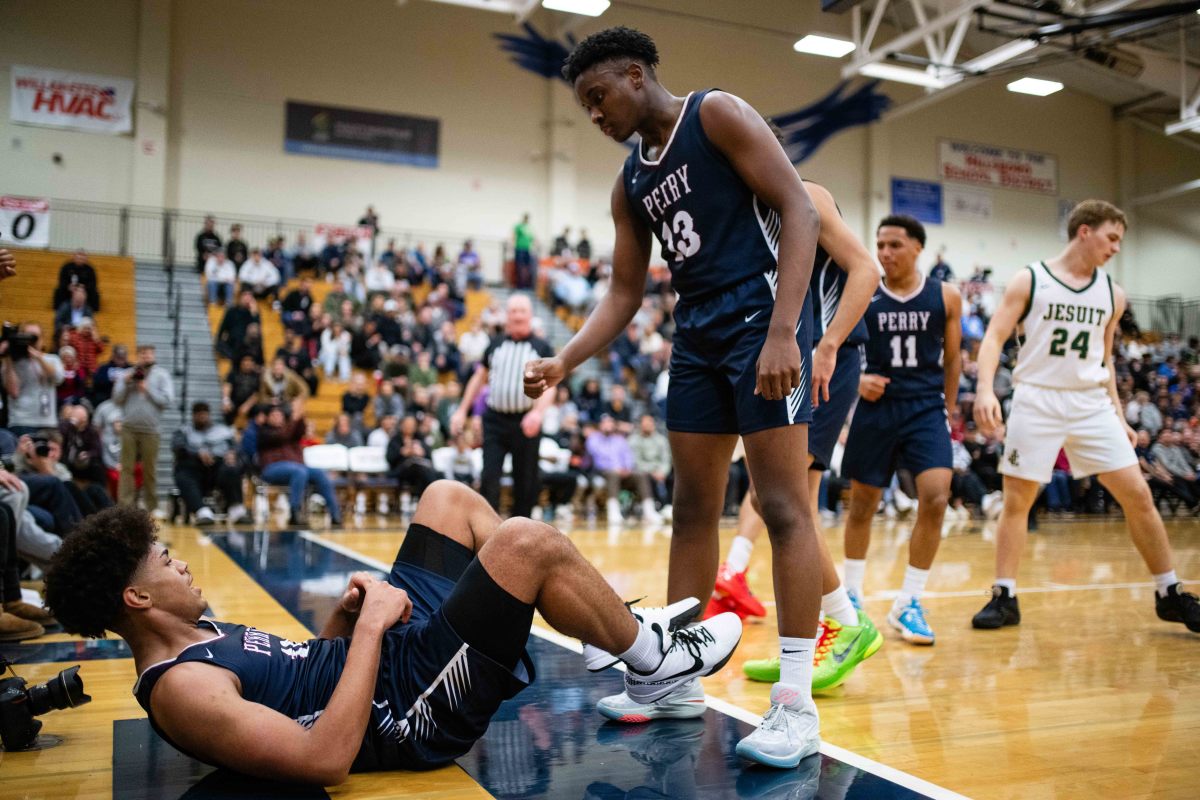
(431, 551)
(488, 618)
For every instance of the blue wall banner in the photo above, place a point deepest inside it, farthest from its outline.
(321, 130)
(920, 199)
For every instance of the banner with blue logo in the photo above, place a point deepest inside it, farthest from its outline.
(919, 199)
(321, 130)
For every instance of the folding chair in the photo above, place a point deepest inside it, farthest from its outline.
(369, 468)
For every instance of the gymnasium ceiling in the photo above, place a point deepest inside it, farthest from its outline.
(1137, 55)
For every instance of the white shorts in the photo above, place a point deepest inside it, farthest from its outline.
(1083, 422)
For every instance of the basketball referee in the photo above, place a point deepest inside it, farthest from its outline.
(512, 422)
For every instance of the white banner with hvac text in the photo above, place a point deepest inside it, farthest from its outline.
(998, 167)
(24, 222)
(76, 100)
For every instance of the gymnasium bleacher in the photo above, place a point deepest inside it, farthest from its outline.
(27, 297)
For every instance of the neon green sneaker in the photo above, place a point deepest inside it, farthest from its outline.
(842, 649)
(763, 670)
(766, 670)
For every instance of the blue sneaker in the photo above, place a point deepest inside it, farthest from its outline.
(854, 600)
(910, 621)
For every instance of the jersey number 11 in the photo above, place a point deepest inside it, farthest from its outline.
(900, 344)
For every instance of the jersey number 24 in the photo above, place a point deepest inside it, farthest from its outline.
(1079, 344)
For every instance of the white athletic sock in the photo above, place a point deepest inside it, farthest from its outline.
(914, 585)
(739, 554)
(796, 661)
(644, 655)
(852, 575)
(1165, 581)
(1007, 583)
(837, 604)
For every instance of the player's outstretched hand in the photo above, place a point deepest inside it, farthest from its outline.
(779, 367)
(8, 264)
(871, 387)
(384, 605)
(542, 374)
(988, 416)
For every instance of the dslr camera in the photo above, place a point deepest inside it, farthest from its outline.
(20, 703)
(41, 445)
(138, 374)
(18, 343)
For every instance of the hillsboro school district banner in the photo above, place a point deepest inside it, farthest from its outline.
(998, 167)
(361, 135)
(75, 100)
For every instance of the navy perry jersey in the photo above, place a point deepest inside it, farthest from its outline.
(714, 232)
(905, 340)
(825, 287)
(294, 678)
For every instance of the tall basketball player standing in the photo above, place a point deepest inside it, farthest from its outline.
(739, 233)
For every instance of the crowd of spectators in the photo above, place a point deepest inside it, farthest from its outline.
(76, 432)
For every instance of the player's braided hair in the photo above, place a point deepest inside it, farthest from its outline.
(96, 562)
(608, 45)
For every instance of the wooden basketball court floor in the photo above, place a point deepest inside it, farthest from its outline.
(1091, 696)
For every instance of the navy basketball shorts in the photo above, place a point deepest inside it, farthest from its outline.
(440, 680)
(896, 433)
(829, 417)
(714, 363)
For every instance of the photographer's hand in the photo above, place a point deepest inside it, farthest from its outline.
(8, 264)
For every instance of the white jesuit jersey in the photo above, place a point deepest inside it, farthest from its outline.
(1063, 344)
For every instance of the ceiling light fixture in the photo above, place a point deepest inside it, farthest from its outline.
(1035, 86)
(820, 45)
(588, 8)
(1184, 125)
(1001, 54)
(888, 72)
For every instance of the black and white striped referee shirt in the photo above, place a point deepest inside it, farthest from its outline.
(505, 359)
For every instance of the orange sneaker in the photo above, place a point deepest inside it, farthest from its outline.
(733, 587)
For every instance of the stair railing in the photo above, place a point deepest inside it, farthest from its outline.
(183, 391)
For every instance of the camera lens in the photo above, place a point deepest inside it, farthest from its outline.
(65, 690)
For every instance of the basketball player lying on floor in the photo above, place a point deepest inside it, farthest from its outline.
(407, 672)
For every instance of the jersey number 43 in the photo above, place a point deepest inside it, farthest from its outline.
(684, 242)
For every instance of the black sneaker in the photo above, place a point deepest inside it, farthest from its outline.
(1001, 610)
(1179, 606)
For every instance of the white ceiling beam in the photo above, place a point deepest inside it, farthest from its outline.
(1166, 194)
(872, 27)
(923, 23)
(1157, 130)
(1018, 47)
(950, 54)
(911, 37)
